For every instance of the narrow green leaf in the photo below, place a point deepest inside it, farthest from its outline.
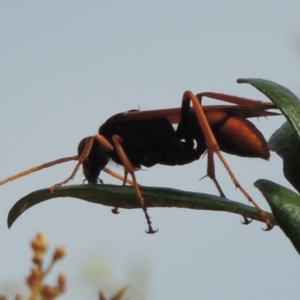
(285, 100)
(286, 144)
(125, 197)
(285, 205)
(286, 140)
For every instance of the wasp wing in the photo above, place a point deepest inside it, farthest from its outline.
(173, 115)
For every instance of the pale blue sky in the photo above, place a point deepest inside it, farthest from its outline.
(66, 66)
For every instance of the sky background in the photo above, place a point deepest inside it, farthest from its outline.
(65, 67)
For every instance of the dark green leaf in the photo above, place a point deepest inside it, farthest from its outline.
(285, 100)
(125, 197)
(286, 144)
(286, 140)
(285, 205)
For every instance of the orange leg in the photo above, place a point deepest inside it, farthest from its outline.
(124, 178)
(115, 210)
(211, 172)
(212, 175)
(213, 147)
(130, 169)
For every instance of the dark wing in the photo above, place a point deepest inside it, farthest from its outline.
(246, 111)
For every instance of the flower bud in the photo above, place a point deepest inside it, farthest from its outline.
(59, 253)
(40, 245)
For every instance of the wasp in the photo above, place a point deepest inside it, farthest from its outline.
(173, 136)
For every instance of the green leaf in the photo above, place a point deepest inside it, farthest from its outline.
(125, 197)
(286, 140)
(285, 205)
(285, 100)
(286, 144)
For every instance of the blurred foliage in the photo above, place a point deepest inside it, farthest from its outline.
(35, 280)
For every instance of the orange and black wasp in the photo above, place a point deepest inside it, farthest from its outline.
(147, 138)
